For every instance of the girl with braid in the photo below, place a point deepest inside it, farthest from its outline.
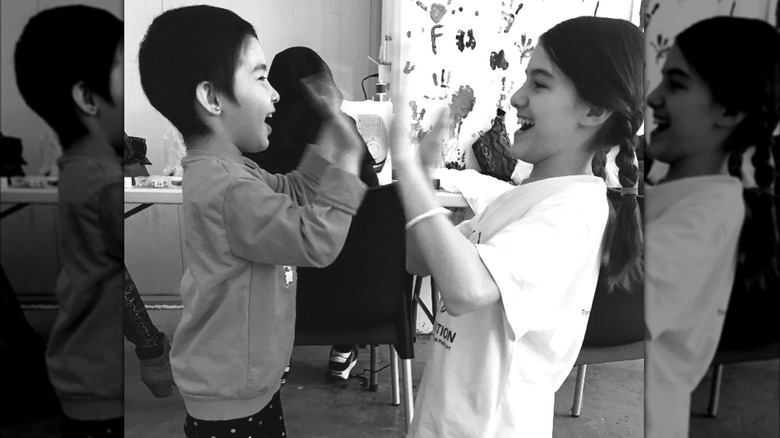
(707, 113)
(517, 281)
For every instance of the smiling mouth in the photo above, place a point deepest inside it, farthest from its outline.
(525, 123)
(661, 124)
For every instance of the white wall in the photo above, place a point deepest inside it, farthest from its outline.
(29, 237)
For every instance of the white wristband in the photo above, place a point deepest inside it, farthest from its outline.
(427, 214)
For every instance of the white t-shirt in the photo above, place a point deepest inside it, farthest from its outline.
(692, 229)
(494, 372)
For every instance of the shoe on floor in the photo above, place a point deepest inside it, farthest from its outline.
(340, 364)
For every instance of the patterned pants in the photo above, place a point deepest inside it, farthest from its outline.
(269, 422)
(70, 428)
(139, 328)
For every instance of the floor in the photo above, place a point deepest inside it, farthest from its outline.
(612, 407)
(613, 404)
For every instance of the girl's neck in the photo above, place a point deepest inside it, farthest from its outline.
(561, 165)
(698, 165)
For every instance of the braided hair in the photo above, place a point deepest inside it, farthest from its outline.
(604, 58)
(756, 71)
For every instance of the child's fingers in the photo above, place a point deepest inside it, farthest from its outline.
(400, 146)
(430, 146)
(322, 93)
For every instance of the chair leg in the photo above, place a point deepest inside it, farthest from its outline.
(372, 380)
(394, 377)
(578, 389)
(717, 377)
(406, 365)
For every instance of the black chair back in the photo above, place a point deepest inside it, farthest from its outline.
(617, 317)
(367, 286)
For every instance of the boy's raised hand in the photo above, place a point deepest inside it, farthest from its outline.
(336, 130)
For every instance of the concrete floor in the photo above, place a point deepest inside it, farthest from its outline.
(612, 407)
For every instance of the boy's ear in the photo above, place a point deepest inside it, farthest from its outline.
(730, 118)
(207, 98)
(594, 116)
(84, 98)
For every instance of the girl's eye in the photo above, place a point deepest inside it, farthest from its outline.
(539, 85)
(262, 78)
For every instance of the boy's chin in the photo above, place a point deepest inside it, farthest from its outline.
(257, 148)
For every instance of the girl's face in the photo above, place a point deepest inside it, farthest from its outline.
(548, 111)
(684, 112)
(246, 118)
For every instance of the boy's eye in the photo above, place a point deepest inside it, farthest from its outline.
(539, 85)
(262, 78)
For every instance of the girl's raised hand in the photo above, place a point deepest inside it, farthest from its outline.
(401, 143)
(431, 144)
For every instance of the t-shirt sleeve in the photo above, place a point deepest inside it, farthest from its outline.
(679, 248)
(265, 226)
(534, 261)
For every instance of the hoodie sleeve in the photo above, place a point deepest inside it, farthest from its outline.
(283, 221)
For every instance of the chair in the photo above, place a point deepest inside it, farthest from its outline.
(750, 328)
(365, 296)
(616, 326)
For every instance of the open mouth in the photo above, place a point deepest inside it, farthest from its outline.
(661, 123)
(525, 123)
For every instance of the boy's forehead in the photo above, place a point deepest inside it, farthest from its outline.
(252, 55)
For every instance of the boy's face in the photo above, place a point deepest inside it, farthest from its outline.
(245, 119)
(112, 114)
(684, 112)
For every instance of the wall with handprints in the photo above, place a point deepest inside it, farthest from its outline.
(471, 57)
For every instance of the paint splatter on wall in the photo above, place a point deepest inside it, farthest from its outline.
(498, 60)
(437, 12)
(460, 40)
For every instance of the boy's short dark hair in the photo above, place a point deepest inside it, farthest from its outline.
(184, 47)
(58, 48)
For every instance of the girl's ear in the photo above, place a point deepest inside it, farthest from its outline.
(730, 118)
(594, 116)
(84, 98)
(206, 96)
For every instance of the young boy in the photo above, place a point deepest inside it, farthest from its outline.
(203, 68)
(83, 103)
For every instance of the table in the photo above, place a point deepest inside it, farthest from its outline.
(22, 197)
(147, 197)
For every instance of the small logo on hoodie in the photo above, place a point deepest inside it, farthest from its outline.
(289, 276)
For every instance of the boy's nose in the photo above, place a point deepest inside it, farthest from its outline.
(274, 95)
